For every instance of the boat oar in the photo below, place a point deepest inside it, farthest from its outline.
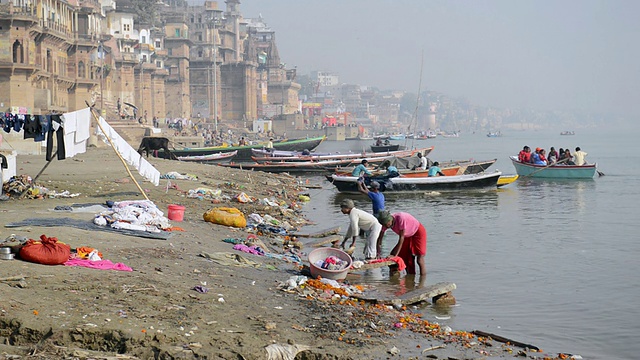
(548, 166)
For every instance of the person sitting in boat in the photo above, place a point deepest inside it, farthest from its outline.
(423, 163)
(553, 156)
(361, 170)
(378, 142)
(568, 158)
(435, 170)
(386, 142)
(542, 159)
(242, 141)
(579, 156)
(269, 145)
(524, 156)
(535, 156)
(392, 172)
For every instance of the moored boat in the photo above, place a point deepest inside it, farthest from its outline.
(559, 171)
(244, 152)
(216, 158)
(385, 148)
(567, 133)
(348, 184)
(321, 157)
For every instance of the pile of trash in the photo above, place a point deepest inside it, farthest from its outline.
(332, 263)
(320, 288)
(138, 215)
(23, 184)
(177, 176)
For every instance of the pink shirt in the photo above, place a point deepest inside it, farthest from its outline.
(406, 222)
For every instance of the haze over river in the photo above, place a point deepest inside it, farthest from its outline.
(551, 263)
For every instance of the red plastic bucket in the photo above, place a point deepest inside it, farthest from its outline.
(176, 212)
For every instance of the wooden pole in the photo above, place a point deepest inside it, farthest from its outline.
(124, 163)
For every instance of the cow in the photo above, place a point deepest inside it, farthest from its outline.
(155, 143)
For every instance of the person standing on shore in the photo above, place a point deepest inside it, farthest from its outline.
(360, 219)
(412, 239)
(377, 198)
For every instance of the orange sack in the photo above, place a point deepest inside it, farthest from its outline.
(47, 251)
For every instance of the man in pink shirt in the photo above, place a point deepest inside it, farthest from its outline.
(412, 239)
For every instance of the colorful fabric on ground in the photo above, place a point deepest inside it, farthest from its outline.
(100, 265)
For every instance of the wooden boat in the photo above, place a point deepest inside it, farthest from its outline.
(567, 133)
(211, 158)
(450, 168)
(290, 167)
(494, 134)
(348, 184)
(448, 171)
(385, 148)
(353, 156)
(554, 171)
(397, 137)
(244, 152)
(506, 180)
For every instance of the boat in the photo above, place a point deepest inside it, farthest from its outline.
(211, 158)
(244, 152)
(494, 134)
(450, 168)
(353, 156)
(507, 179)
(385, 148)
(348, 184)
(567, 133)
(289, 167)
(396, 137)
(559, 171)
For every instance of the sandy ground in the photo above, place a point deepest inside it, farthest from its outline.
(153, 312)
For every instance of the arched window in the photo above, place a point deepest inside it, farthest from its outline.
(81, 70)
(18, 52)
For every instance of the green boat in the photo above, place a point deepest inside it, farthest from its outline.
(554, 171)
(244, 152)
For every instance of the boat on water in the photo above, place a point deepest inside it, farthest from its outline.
(397, 137)
(244, 152)
(494, 134)
(264, 158)
(385, 148)
(507, 179)
(288, 166)
(216, 158)
(568, 133)
(349, 184)
(450, 168)
(559, 171)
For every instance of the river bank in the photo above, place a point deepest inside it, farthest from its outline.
(154, 311)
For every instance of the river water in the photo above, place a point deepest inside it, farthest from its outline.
(550, 263)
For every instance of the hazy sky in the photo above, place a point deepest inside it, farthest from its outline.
(542, 54)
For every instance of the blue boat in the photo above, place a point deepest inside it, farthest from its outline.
(397, 137)
(554, 171)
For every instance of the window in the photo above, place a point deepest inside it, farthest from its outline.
(81, 70)
(159, 64)
(144, 39)
(177, 32)
(157, 44)
(126, 27)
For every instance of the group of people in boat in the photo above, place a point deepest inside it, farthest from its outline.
(560, 157)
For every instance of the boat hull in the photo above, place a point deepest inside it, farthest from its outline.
(348, 184)
(385, 148)
(244, 152)
(553, 172)
(217, 158)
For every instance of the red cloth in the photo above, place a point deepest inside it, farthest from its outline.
(414, 245)
(47, 251)
(397, 259)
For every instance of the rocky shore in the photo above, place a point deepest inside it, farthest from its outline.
(179, 304)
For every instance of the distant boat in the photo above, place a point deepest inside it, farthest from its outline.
(568, 133)
(396, 137)
(494, 134)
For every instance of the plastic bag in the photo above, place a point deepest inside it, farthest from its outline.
(226, 216)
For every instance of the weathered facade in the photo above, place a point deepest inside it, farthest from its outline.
(56, 55)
